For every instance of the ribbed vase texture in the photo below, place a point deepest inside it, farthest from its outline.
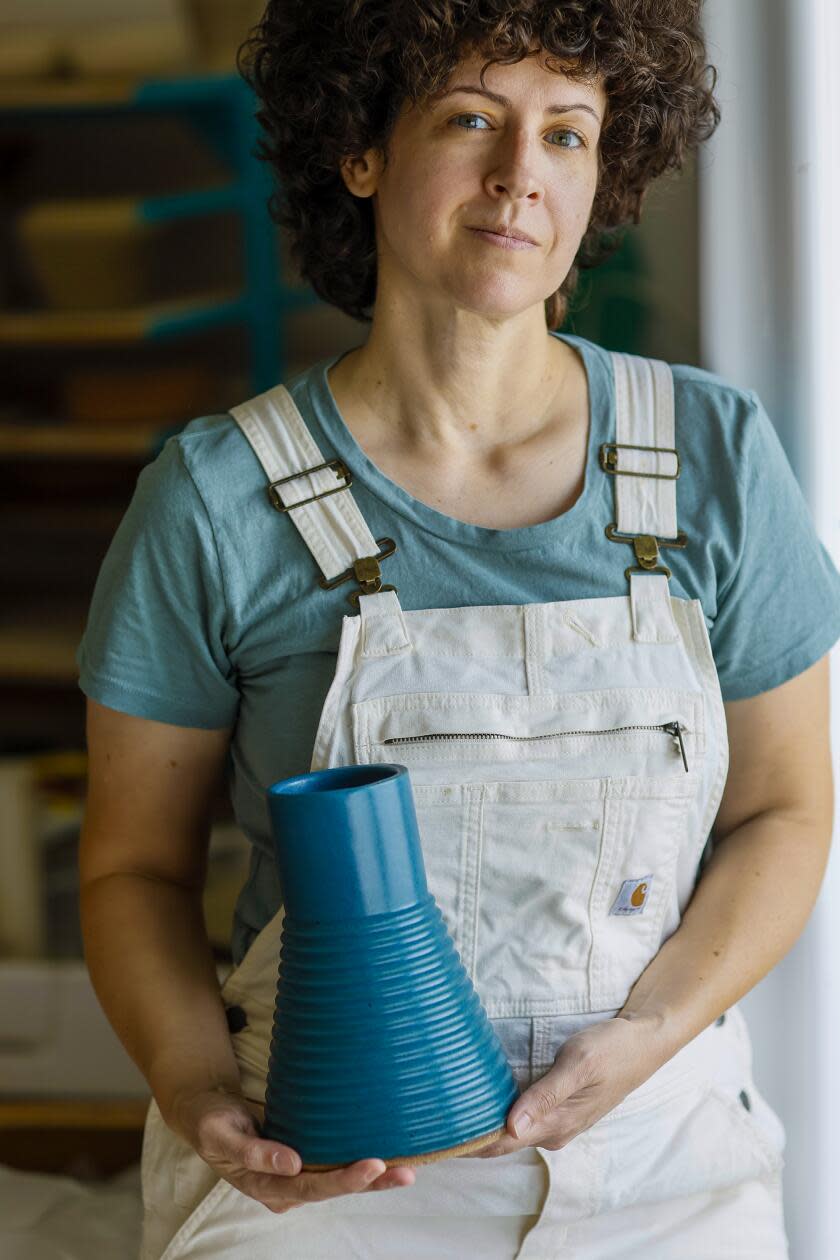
(380, 1046)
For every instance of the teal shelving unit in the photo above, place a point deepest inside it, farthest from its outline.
(62, 480)
(222, 109)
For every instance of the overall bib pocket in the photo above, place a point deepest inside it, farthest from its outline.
(550, 828)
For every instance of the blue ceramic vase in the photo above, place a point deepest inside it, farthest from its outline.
(380, 1045)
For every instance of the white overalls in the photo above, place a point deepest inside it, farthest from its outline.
(567, 761)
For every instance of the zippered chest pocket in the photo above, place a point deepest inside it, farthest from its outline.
(586, 734)
(550, 828)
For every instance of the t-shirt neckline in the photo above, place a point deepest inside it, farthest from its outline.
(519, 538)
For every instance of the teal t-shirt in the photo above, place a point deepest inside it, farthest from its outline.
(207, 610)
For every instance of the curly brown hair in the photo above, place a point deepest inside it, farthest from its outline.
(332, 76)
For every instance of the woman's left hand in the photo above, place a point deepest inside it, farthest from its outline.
(592, 1072)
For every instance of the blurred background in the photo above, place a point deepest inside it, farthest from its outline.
(142, 284)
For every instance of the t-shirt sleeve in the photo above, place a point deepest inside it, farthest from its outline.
(779, 608)
(154, 642)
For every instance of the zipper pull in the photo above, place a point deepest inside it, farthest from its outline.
(674, 728)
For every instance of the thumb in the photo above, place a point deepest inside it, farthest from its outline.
(537, 1103)
(259, 1154)
(521, 1117)
(561, 1085)
(227, 1133)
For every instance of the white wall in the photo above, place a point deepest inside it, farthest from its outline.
(769, 275)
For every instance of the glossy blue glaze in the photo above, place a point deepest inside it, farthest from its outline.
(380, 1045)
(346, 842)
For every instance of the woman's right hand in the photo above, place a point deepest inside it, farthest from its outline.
(222, 1128)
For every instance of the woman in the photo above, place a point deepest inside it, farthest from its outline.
(610, 899)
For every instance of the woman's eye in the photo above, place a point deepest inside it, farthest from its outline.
(563, 131)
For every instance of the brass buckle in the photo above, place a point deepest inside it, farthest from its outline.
(646, 547)
(608, 457)
(366, 572)
(337, 465)
(354, 595)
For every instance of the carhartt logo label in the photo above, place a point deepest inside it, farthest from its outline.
(633, 896)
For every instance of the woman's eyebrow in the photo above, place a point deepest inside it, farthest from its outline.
(503, 100)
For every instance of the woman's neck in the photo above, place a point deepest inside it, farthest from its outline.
(458, 409)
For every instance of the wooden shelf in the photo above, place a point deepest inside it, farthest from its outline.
(40, 649)
(50, 92)
(71, 1137)
(71, 440)
(73, 1113)
(156, 321)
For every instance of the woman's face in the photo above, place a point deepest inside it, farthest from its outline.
(463, 160)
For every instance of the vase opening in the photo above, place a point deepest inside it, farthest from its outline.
(336, 779)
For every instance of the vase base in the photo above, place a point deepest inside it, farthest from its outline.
(429, 1157)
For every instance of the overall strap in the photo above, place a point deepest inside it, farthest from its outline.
(302, 484)
(645, 464)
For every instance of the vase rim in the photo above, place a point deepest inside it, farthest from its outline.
(367, 775)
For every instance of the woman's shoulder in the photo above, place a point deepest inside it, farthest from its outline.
(212, 453)
(218, 456)
(711, 414)
(698, 384)
(208, 437)
(188, 468)
(214, 444)
(694, 384)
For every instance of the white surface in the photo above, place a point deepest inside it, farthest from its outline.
(55, 1040)
(770, 270)
(46, 1217)
(54, 1037)
(818, 35)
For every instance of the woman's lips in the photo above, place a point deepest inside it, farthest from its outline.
(503, 242)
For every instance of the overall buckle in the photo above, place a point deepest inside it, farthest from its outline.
(608, 457)
(646, 547)
(339, 468)
(366, 571)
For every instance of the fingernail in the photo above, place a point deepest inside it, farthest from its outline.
(285, 1164)
(522, 1124)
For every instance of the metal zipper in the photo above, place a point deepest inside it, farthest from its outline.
(672, 728)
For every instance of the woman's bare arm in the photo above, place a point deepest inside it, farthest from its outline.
(142, 863)
(772, 838)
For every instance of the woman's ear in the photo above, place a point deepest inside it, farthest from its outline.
(361, 174)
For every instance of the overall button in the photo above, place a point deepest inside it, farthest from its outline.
(720, 1020)
(236, 1018)
(745, 1099)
